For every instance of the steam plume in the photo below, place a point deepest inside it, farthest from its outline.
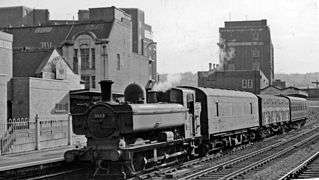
(171, 80)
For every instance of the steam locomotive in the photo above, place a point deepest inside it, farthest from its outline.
(179, 124)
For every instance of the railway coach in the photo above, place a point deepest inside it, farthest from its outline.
(227, 118)
(274, 114)
(298, 111)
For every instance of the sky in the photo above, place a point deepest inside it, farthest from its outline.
(187, 30)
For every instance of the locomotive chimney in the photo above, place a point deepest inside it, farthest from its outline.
(106, 90)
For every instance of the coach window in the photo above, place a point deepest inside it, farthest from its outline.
(251, 108)
(118, 67)
(217, 110)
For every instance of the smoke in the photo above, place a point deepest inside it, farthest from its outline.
(171, 80)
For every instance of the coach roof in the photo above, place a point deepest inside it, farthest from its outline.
(222, 92)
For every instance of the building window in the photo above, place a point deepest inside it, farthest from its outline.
(255, 35)
(250, 83)
(244, 83)
(86, 80)
(255, 52)
(93, 81)
(75, 62)
(61, 108)
(118, 67)
(93, 58)
(251, 108)
(85, 55)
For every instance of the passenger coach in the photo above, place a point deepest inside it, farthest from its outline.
(227, 117)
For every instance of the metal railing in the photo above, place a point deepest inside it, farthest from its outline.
(27, 134)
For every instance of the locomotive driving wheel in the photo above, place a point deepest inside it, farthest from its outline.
(138, 162)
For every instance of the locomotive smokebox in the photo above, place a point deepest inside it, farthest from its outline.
(106, 90)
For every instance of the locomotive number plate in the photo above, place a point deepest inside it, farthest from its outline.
(101, 115)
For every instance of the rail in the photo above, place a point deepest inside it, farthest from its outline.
(299, 168)
(233, 174)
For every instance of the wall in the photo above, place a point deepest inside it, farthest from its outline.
(20, 15)
(6, 54)
(5, 74)
(20, 97)
(246, 45)
(52, 92)
(131, 64)
(3, 103)
(33, 96)
(235, 80)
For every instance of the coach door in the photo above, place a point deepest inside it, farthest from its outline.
(190, 99)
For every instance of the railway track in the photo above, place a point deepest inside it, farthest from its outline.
(58, 175)
(307, 170)
(200, 168)
(237, 167)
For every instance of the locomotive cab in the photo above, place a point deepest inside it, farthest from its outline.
(186, 97)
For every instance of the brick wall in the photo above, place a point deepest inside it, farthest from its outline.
(33, 96)
(251, 81)
(20, 15)
(250, 45)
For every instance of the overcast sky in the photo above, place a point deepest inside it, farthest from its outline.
(187, 30)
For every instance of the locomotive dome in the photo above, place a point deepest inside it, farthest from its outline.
(134, 93)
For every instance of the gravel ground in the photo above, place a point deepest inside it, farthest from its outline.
(279, 168)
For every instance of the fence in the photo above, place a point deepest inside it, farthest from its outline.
(24, 134)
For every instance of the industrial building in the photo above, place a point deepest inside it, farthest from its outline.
(250, 81)
(246, 59)
(246, 45)
(105, 43)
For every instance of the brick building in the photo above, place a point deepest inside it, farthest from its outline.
(22, 16)
(41, 75)
(99, 47)
(279, 83)
(251, 81)
(246, 45)
(5, 74)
